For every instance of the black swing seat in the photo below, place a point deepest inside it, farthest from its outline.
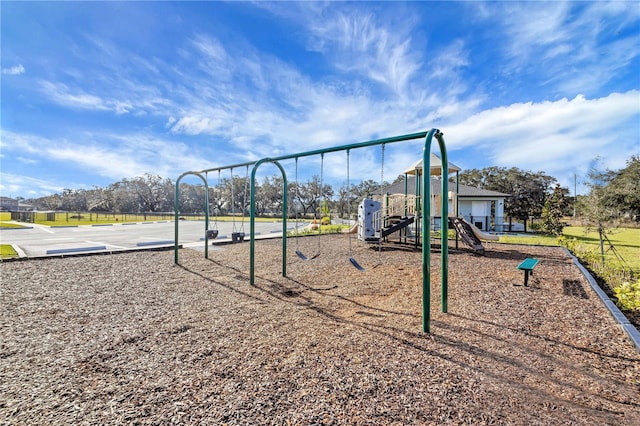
(237, 237)
(302, 256)
(212, 234)
(356, 264)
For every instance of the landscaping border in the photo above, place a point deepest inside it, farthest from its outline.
(615, 312)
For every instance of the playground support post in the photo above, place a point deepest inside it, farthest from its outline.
(426, 228)
(176, 211)
(252, 219)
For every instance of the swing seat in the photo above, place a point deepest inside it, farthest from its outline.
(212, 234)
(303, 257)
(356, 264)
(237, 237)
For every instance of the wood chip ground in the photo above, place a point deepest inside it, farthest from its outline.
(133, 339)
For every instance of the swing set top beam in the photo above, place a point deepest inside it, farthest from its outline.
(319, 151)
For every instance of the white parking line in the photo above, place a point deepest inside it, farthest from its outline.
(43, 228)
(105, 244)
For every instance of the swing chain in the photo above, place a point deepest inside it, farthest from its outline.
(244, 199)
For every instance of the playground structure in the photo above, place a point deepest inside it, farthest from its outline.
(386, 214)
(422, 205)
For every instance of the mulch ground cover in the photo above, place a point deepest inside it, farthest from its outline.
(132, 338)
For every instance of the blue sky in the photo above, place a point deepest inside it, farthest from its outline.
(94, 92)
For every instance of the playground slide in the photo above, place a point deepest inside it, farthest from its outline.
(464, 230)
(352, 230)
(482, 235)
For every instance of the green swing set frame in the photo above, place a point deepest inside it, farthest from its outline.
(425, 209)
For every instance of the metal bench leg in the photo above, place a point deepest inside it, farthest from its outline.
(526, 277)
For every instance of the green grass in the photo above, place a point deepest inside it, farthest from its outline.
(620, 276)
(66, 219)
(11, 225)
(625, 240)
(534, 239)
(322, 229)
(7, 252)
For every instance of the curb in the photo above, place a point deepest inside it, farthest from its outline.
(615, 312)
(18, 250)
(76, 249)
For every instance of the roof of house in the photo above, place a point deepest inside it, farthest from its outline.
(464, 190)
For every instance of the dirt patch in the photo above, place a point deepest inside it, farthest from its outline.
(132, 338)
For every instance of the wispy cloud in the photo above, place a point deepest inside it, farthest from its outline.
(567, 45)
(551, 136)
(362, 43)
(61, 94)
(114, 156)
(27, 186)
(15, 70)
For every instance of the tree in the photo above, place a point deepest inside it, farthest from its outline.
(100, 200)
(599, 214)
(553, 211)
(191, 199)
(269, 197)
(623, 190)
(366, 188)
(307, 196)
(74, 200)
(48, 202)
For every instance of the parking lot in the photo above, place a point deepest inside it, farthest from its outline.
(38, 240)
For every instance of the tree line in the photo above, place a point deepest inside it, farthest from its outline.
(230, 196)
(612, 194)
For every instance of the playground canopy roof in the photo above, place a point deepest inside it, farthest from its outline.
(467, 192)
(436, 167)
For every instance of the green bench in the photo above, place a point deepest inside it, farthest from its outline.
(527, 266)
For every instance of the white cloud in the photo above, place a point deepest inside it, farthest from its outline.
(364, 43)
(15, 70)
(552, 136)
(576, 47)
(131, 98)
(26, 186)
(61, 94)
(114, 156)
(272, 107)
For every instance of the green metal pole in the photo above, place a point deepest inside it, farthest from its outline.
(176, 211)
(252, 219)
(206, 218)
(457, 210)
(418, 206)
(426, 235)
(426, 231)
(444, 226)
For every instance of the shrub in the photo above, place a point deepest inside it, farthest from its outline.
(628, 294)
(326, 220)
